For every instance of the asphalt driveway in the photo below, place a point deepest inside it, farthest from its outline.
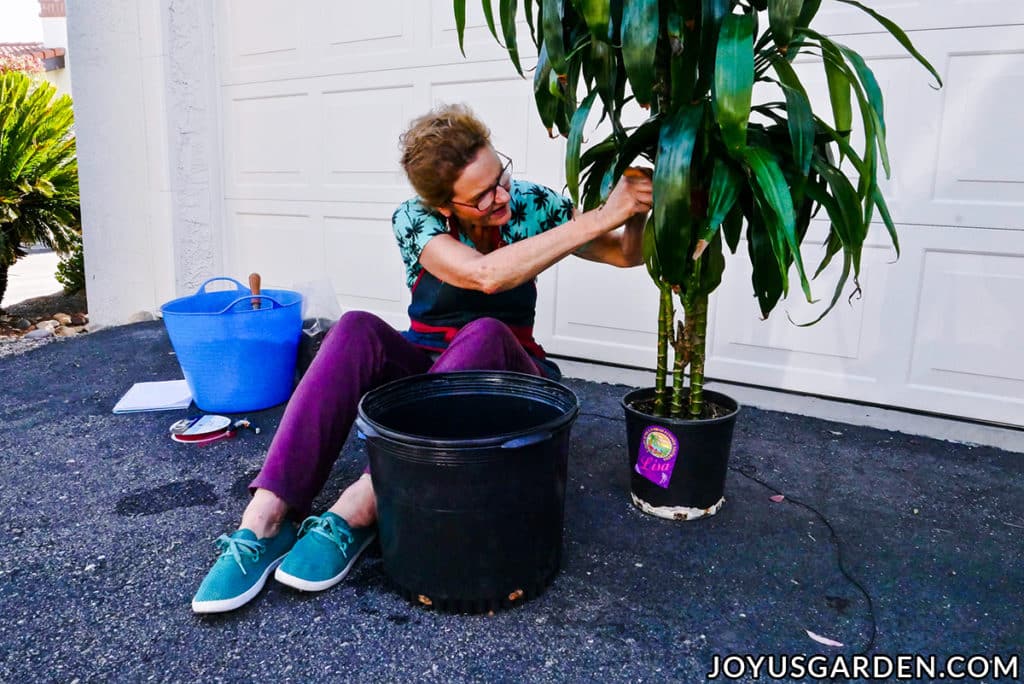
(106, 528)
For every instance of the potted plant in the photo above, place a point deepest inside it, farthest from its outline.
(725, 166)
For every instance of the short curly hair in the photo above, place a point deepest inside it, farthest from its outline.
(437, 147)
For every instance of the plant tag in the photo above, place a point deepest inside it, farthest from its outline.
(657, 456)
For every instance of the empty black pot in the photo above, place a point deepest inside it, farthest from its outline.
(469, 470)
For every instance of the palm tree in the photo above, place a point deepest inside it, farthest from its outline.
(38, 170)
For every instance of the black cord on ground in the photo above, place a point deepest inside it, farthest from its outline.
(839, 553)
(835, 538)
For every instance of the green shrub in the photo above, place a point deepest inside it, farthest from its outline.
(71, 269)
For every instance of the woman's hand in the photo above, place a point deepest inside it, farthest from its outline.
(632, 195)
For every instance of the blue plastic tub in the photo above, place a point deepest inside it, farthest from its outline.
(236, 358)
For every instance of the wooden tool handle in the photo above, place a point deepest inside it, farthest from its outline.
(254, 285)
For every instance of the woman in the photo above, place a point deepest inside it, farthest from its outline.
(473, 242)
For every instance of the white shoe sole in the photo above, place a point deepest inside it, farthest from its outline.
(225, 605)
(307, 585)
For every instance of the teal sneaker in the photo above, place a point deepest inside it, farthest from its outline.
(327, 549)
(242, 569)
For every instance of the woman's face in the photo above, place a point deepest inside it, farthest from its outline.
(482, 178)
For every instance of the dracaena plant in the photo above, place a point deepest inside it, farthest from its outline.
(724, 164)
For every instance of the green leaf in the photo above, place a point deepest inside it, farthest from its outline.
(734, 80)
(602, 61)
(554, 38)
(547, 103)
(840, 284)
(801, 116)
(899, 35)
(772, 193)
(507, 8)
(844, 209)
(807, 14)
(642, 140)
(489, 16)
(650, 251)
(883, 210)
(874, 95)
(725, 189)
(530, 21)
(712, 14)
(732, 227)
(640, 29)
(764, 276)
(597, 14)
(839, 94)
(712, 267)
(782, 18)
(460, 22)
(672, 188)
(572, 152)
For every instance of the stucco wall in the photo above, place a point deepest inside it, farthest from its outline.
(145, 112)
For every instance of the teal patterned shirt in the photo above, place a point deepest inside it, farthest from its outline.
(534, 208)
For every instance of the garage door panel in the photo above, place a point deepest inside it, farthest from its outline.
(269, 140)
(365, 266)
(968, 338)
(349, 117)
(262, 33)
(381, 24)
(279, 246)
(981, 147)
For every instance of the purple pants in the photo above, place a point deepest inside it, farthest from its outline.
(359, 353)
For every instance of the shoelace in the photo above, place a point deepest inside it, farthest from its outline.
(231, 546)
(327, 527)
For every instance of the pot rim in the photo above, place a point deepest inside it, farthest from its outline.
(489, 378)
(636, 393)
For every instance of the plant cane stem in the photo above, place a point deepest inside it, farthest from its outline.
(681, 360)
(697, 353)
(665, 316)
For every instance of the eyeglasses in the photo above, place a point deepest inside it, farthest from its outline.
(487, 199)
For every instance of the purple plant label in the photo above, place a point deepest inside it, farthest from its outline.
(657, 456)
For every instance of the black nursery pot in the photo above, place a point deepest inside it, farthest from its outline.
(469, 470)
(678, 467)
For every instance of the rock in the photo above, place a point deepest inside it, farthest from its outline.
(62, 318)
(93, 327)
(79, 319)
(22, 324)
(141, 317)
(50, 325)
(68, 330)
(39, 334)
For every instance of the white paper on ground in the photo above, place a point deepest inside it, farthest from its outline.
(155, 396)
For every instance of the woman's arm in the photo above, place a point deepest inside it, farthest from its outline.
(503, 269)
(622, 247)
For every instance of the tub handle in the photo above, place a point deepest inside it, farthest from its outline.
(202, 288)
(527, 440)
(365, 428)
(254, 298)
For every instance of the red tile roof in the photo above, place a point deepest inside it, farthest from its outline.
(30, 49)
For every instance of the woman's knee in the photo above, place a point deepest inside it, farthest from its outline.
(353, 325)
(486, 328)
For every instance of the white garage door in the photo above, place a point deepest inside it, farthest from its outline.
(315, 94)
